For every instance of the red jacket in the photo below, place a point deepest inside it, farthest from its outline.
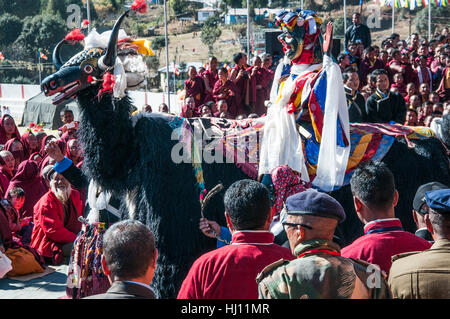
(230, 272)
(383, 239)
(50, 232)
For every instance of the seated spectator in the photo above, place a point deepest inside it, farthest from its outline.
(210, 77)
(375, 198)
(415, 101)
(27, 178)
(16, 148)
(411, 117)
(370, 87)
(310, 219)
(425, 111)
(425, 275)
(213, 107)
(163, 108)
(355, 101)
(409, 75)
(8, 129)
(433, 97)
(399, 84)
(55, 219)
(225, 115)
(230, 271)
(354, 59)
(384, 106)
(16, 196)
(39, 137)
(188, 108)
(7, 165)
(410, 91)
(129, 260)
(395, 64)
(384, 57)
(444, 85)
(74, 152)
(205, 110)
(147, 108)
(29, 142)
(343, 61)
(421, 209)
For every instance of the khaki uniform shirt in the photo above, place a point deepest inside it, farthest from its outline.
(424, 274)
(321, 275)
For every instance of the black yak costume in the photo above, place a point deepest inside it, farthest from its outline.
(132, 158)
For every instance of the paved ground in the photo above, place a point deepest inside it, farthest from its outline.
(51, 286)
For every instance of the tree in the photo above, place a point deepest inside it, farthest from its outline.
(41, 31)
(179, 6)
(421, 20)
(21, 8)
(158, 43)
(13, 25)
(211, 32)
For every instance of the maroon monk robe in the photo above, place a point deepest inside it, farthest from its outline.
(212, 78)
(195, 88)
(258, 93)
(3, 137)
(27, 178)
(234, 107)
(243, 85)
(267, 83)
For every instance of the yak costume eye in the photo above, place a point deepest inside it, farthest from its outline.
(88, 69)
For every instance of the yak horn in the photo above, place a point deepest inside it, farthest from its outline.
(56, 57)
(109, 59)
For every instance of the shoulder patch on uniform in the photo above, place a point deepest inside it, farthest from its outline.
(270, 268)
(398, 256)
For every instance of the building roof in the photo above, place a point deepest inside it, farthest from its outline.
(243, 11)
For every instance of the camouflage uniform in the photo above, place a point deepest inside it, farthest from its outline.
(320, 275)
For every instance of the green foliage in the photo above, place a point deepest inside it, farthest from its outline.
(13, 25)
(211, 32)
(21, 8)
(158, 43)
(179, 6)
(41, 31)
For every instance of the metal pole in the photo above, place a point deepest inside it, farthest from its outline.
(345, 17)
(393, 16)
(167, 55)
(302, 5)
(248, 31)
(88, 15)
(39, 67)
(429, 20)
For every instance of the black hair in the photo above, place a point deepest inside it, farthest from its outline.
(347, 72)
(394, 52)
(341, 57)
(65, 110)
(377, 72)
(237, 57)
(373, 183)
(19, 192)
(247, 203)
(129, 248)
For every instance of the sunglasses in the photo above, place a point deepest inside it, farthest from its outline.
(295, 225)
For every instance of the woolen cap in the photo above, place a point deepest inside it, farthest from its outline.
(439, 200)
(419, 198)
(312, 202)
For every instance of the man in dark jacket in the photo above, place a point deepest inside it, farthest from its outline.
(384, 106)
(355, 101)
(357, 31)
(129, 261)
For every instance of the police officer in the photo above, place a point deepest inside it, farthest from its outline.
(426, 274)
(310, 219)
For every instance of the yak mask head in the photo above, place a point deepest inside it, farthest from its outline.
(82, 70)
(301, 37)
